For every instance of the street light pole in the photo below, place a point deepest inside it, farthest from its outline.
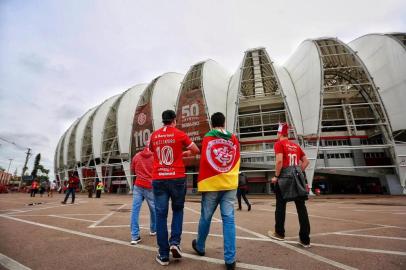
(9, 164)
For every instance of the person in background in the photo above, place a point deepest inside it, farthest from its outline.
(34, 188)
(242, 191)
(169, 182)
(42, 188)
(89, 188)
(73, 184)
(218, 181)
(99, 189)
(52, 188)
(141, 166)
(289, 154)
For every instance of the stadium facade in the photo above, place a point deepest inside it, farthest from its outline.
(345, 104)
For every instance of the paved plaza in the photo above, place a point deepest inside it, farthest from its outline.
(348, 232)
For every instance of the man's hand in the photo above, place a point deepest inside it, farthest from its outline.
(187, 153)
(274, 180)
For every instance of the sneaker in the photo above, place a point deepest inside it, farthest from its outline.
(194, 246)
(176, 252)
(152, 233)
(135, 241)
(63, 202)
(230, 266)
(276, 236)
(162, 261)
(305, 245)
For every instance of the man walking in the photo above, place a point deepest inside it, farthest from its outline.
(141, 166)
(73, 184)
(218, 181)
(289, 154)
(99, 189)
(169, 181)
(34, 188)
(242, 191)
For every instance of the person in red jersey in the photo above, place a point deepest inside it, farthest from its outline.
(289, 155)
(169, 182)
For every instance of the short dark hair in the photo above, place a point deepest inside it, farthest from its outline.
(168, 116)
(217, 120)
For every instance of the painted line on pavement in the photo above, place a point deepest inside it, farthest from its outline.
(372, 236)
(288, 246)
(79, 219)
(330, 233)
(11, 264)
(106, 217)
(342, 219)
(139, 246)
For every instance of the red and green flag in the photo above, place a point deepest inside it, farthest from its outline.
(219, 162)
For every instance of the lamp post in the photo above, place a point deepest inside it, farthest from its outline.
(9, 164)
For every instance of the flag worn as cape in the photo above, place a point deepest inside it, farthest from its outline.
(219, 162)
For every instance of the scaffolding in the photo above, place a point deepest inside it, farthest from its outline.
(261, 107)
(351, 113)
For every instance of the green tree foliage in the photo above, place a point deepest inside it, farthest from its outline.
(36, 164)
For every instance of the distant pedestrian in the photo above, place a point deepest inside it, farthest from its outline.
(52, 189)
(242, 191)
(89, 188)
(218, 181)
(169, 182)
(42, 188)
(289, 157)
(99, 189)
(141, 166)
(34, 188)
(73, 184)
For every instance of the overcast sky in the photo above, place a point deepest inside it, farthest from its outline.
(60, 58)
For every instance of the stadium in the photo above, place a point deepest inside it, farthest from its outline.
(344, 104)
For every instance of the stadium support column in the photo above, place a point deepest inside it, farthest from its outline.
(80, 174)
(400, 150)
(311, 153)
(127, 171)
(99, 172)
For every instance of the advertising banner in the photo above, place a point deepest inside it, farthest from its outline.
(192, 119)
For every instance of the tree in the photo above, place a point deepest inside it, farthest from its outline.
(2, 169)
(36, 165)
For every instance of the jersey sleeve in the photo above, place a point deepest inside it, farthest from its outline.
(278, 148)
(301, 153)
(186, 141)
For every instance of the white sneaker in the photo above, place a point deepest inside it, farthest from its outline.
(152, 233)
(176, 251)
(305, 245)
(135, 241)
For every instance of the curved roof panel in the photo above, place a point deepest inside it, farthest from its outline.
(305, 71)
(66, 142)
(232, 100)
(289, 91)
(125, 115)
(164, 95)
(57, 152)
(215, 86)
(385, 58)
(80, 132)
(98, 124)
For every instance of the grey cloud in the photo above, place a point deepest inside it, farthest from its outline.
(38, 64)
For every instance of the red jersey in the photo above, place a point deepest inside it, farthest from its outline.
(292, 153)
(167, 144)
(141, 165)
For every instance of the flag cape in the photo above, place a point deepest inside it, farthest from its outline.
(219, 162)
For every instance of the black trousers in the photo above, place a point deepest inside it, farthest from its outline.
(70, 191)
(280, 213)
(242, 193)
(33, 192)
(98, 193)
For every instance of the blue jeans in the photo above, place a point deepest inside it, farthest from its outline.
(210, 201)
(175, 189)
(70, 191)
(139, 194)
